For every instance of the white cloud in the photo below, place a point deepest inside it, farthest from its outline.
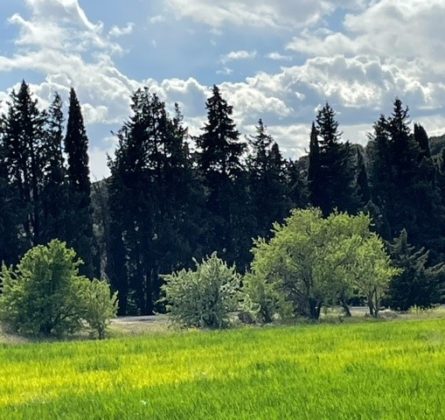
(156, 19)
(383, 52)
(256, 13)
(276, 56)
(238, 56)
(411, 30)
(117, 31)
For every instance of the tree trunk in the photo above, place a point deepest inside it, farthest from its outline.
(345, 307)
(314, 309)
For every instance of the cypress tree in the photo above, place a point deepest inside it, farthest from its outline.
(79, 227)
(54, 196)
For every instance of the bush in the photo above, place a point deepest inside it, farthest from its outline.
(40, 295)
(99, 305)
(45, 295)
(203, 297)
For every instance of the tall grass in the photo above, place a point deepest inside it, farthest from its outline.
(370, 370)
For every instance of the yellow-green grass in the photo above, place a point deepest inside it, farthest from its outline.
(369, 370)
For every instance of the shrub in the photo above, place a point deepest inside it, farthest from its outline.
(98, 304)
(203, 297)
(40, 296)
(45, 295)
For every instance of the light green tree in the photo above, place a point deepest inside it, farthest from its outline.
(313, 261)
(203, 297)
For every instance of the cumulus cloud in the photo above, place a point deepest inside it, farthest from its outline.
(238, 55)
(385, 48)
(401, 29)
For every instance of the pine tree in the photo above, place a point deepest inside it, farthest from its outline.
(79, 227)
(224, 179)
(418, 284)
(330, 174)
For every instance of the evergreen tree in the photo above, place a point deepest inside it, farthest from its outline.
(54, 196)
(154, 203)
(267, 182)
(11, 214)
(418, 284)
(403, 179)
(363, 190)
(314, 170)
(422, 140)
(79, 226)
(24, 157)
(224, 179)
(297, 188)
(330, 174)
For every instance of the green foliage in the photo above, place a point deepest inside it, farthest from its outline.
(40, 296)
(312, 261)
(45, 295)
(203, 297)
(417, 283)
(98, 305)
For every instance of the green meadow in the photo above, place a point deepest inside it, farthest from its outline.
(387, 369)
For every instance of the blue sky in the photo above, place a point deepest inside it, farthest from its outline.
(273, 60)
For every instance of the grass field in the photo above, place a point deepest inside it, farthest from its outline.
(364, 370)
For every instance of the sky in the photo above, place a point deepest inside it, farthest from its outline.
(276, 60)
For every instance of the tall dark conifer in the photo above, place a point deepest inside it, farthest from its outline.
(79, 226)
(418, 284)
(267, 182)
(154, 204)
(362, 181)
(54, 195)
(331, 174)
(403, 179)
(23, 148)
(422, 140)
(12, 216)
(219, 161)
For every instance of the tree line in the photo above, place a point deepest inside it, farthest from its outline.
(172, 197)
